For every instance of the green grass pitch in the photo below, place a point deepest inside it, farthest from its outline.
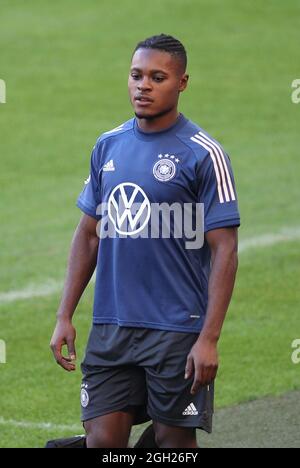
(65, 66)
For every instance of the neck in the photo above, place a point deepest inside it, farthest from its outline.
(158, 123)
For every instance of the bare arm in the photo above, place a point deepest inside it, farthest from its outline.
(81, 265)
(203, 358)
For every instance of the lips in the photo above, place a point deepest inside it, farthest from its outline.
(141, 98)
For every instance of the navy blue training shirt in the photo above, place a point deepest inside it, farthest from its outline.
(145, 188)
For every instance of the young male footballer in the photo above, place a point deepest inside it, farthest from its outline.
(158, 184)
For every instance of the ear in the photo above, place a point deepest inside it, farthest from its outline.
(183, 82)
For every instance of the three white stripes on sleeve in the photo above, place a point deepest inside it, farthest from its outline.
(224, 183)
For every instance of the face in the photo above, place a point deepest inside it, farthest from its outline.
(154, 83)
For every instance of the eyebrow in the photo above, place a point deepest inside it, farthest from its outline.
(151, 71)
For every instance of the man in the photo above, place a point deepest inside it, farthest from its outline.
(159, 302)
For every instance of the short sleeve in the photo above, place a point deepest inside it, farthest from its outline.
(217, 192)
(90, 197)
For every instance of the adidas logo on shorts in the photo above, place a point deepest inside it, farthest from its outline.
(191, 410)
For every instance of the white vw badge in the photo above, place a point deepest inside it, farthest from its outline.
(128, 207)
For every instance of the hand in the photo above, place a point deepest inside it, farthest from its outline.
(203, 362)
(64, 334)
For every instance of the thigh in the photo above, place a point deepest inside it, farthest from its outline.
(111, 383)
(109, 431)
(167, 436)
(169, 399)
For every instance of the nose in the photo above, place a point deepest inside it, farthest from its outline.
(144, 84)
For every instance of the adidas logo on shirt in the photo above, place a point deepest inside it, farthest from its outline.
(109, 166)
(191, 410)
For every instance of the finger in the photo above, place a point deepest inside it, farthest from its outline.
(198, 379)
(189, 368)
(207, 376)
(62, 361)
(71, 349)
(214, 374)
(56, 350)
(67, 364)
(210, 374)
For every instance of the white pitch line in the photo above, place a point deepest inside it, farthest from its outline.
(34, 290)
(54, 287)
(41, 426)
(46, 289)
(265, 240)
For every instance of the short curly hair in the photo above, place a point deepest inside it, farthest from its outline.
(167, 44)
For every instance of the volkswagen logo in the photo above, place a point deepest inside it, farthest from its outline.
(128, 208)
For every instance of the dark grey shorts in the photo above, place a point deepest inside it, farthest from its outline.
(142, 369)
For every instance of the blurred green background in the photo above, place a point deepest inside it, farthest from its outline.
(65, 64)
